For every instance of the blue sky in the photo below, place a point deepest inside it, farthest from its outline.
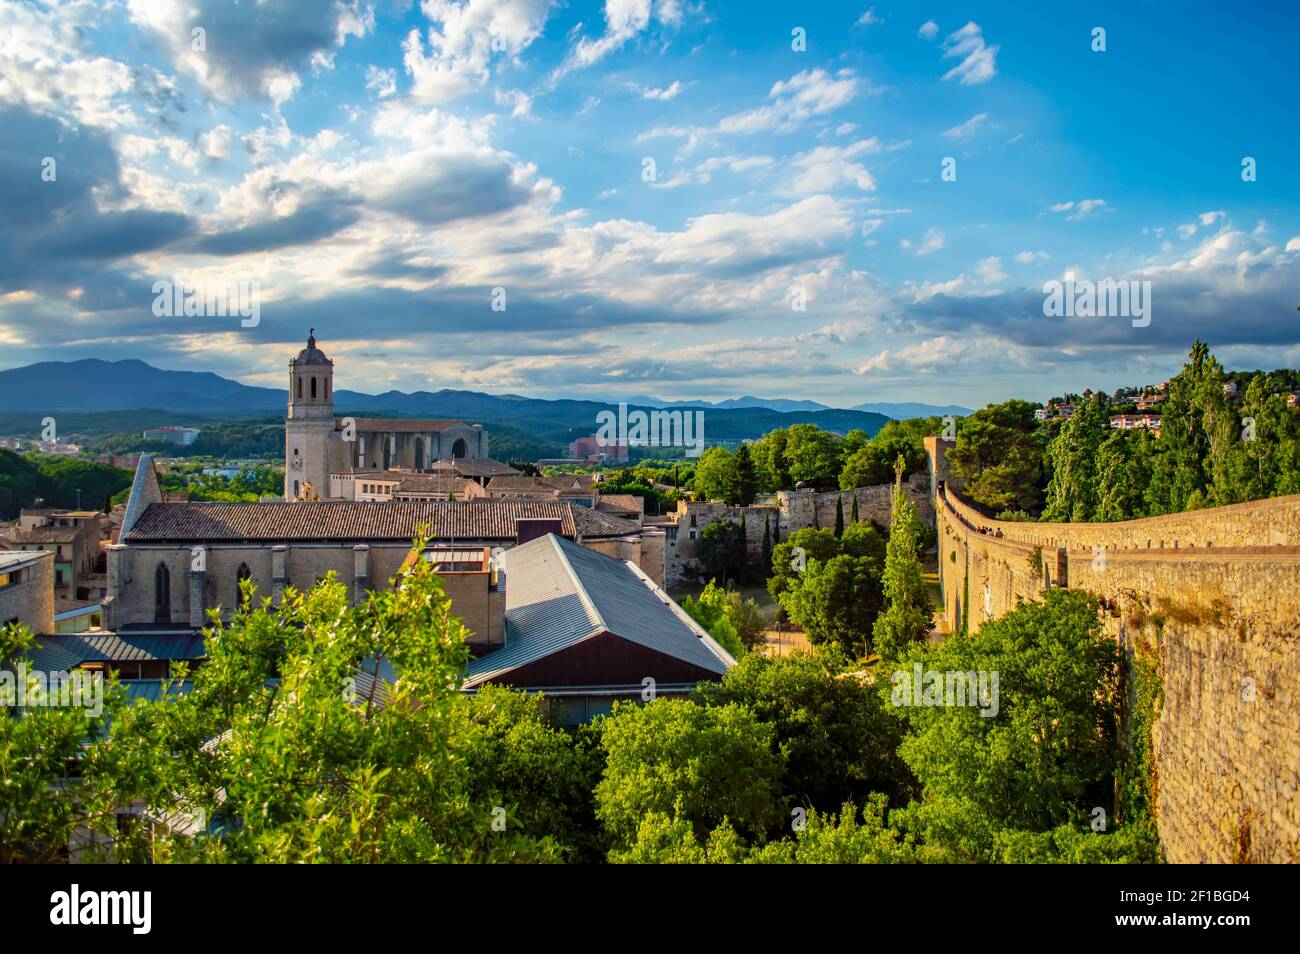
(380, 168)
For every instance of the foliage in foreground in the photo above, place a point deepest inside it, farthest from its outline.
(281, 753)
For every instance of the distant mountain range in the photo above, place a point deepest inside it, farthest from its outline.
(94, 385)
(900, 411)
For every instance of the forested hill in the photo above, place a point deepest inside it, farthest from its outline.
(94, 385)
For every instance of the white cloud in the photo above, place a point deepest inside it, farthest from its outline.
(665, 93)
(1294, 244)
(929, 30)
(216, 144)
(520, 103)
(869, 18)
(1081, 209)
(624, 19)
(1028, 258)
(968, 128)
(1186, 231)
(241, 52)
(803, 96)
(827, 167)
(978, 59)
(932, 241)
(1209, 218)
(463, 39)
(380, 81)
(990, 270)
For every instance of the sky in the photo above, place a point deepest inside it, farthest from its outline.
(690, 200)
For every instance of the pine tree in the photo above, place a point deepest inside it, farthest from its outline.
(839, 516)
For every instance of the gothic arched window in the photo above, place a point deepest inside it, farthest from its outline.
(460, 448)
(300, 387)
(162, 594)
(313, 389)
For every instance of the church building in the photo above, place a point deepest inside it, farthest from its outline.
(318, 445)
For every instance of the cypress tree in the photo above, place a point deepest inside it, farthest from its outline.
(839, 516)
(909, 614)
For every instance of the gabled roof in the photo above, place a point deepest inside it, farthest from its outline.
(559, 594)
(365, 520)
(403, 425)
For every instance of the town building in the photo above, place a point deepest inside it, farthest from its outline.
(586, 630)
(590, 450)
(175, 561)
(1128, 422)
(74, 537)
(318, 445)
(27, 589)
(182, 436)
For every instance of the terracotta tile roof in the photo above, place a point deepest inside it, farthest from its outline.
(478, 467)
(402, 426)
(621, 502)
(570, 484)
(47, 535)
(352, 520)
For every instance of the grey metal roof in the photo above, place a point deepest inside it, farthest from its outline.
(70, 649)
(559, 593)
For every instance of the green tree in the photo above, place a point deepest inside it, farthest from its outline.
(713, 613)
(813, 455)
(789, 559)
(908, 615)
(746, 480)
(999, 455)
(287, 749)
(836, 601)
(715, 475)
(839, 515)
(1074, 491)
(836, 737)
(722, 551)
(700, 764)
(41, 750)
(770, 460)
(1048, 754)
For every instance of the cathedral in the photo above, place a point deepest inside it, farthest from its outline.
(318, 445)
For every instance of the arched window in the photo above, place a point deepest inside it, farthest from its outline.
(162, 594)
(242, 574)
(313, 389)
(300, 387)
(460, 448)
(419, 453)
(295, 490)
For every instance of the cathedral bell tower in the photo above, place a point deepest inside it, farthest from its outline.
(309, 430)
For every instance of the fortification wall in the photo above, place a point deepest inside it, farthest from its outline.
(793, 510)
(1214, 595)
